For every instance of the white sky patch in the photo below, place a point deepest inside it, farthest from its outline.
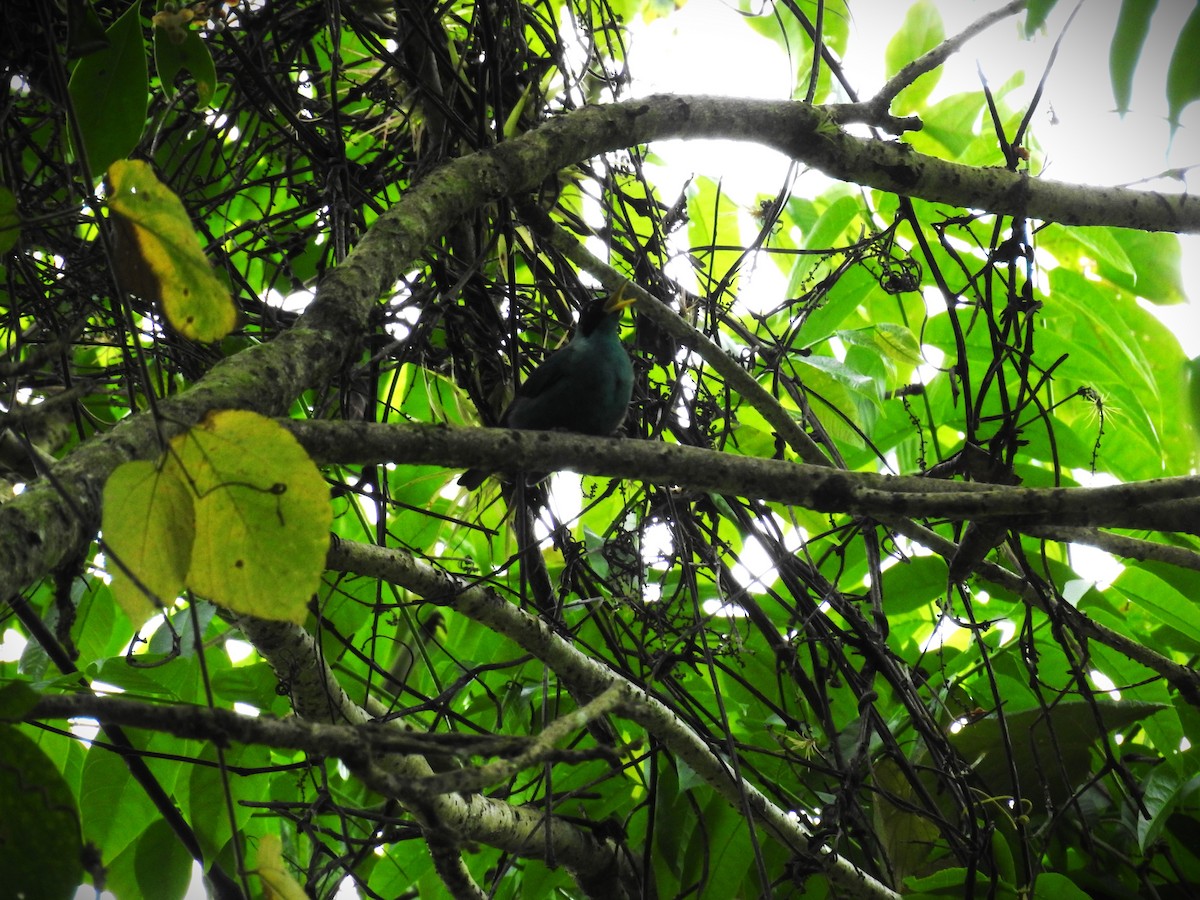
(753, 568)
(714, 35)
(366, 502)
(296, 301)
(401, 325)
(1104, 683)
(12, 645)
(566, 495)
(1096, 567)
(943, 634)
(719, 607)
(657, 544)
(238, 651)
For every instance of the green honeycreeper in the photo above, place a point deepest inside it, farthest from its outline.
(583, 387)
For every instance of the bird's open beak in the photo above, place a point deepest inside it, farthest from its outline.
(620, 299)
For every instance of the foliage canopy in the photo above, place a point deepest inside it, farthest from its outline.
(817, 624)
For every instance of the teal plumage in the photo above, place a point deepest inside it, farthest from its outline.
(584, 387)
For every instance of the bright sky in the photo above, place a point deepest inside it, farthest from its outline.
(707, 48)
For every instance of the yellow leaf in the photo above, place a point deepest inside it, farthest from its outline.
(160, 255)
(262, 515)
(147, 524)
(277, 883)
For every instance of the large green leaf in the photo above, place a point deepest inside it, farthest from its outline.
(1155, 260)
(154, 867)
(1036, 13)
(1135, 366)
(41, 852)
(1133, 24)
(114, 808)
(110, 91)
(953, 123)
(908, 838)
(1161, 600)
(922, 31)
(1183, 75)
(1050, 748)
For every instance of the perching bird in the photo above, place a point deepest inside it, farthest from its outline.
(583, 387)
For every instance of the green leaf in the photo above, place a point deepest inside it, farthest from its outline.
(156, 866)
(1055, 742)
(833, 223)
(114, 807)
(1183, 75)
(1133, 24)
(1160, 797)
(907, 836)
(16, 699)
(85, 34)
(922, 31)
(914, 584)
(1036, 14)
(191, 55)
(854, 287)
(1054, 886)
(1099, 243)
(160, 257)
(262, 515)
(207, 804)
(894, 342)
(1161, 600)
(110, 91)
(1193, 397)
(953, 123)
(41, 851)
(1133, 362)
(843, 375)
(1154, 262)
(10, 221)
(951, 883)
(148, 527)
(253, 684)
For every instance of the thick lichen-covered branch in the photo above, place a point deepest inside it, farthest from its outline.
(52, 519)
(1163, 504)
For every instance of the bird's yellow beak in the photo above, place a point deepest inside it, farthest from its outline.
(620, 299)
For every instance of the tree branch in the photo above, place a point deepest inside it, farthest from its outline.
(929, 61)
(1183, 678)
(317, 695)
(222, 726)
(1163, 504)
(48, 523)
(592, 679)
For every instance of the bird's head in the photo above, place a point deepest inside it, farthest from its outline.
(606, 311)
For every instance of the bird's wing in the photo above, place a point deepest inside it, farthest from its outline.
(548, 373)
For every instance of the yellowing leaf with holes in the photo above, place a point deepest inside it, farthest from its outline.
(147, 524)
(262, 515)
(159, 255)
